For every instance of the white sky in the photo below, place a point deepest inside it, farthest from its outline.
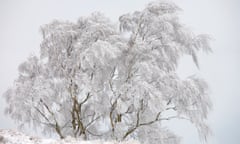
(19, 37)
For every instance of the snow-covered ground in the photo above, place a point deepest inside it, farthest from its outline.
(15, 137)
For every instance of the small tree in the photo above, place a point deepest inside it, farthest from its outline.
(94, 81)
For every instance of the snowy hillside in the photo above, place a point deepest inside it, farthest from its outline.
(15, 137)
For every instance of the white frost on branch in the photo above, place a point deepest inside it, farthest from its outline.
(93, 82)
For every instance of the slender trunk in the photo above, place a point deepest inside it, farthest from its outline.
(58, 130)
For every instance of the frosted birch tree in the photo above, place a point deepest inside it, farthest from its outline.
(97, 80)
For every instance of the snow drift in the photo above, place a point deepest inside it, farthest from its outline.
(15, 137)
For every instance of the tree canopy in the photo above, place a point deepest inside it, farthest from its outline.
(98, 80)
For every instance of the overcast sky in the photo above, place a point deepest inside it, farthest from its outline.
(20, 37)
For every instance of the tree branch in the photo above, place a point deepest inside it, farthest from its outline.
(57, 127)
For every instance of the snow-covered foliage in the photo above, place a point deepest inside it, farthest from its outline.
(15, 137)
(96, 81)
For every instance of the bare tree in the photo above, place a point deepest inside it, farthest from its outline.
(94, 81)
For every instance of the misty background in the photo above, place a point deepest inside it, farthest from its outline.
(20, 37)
